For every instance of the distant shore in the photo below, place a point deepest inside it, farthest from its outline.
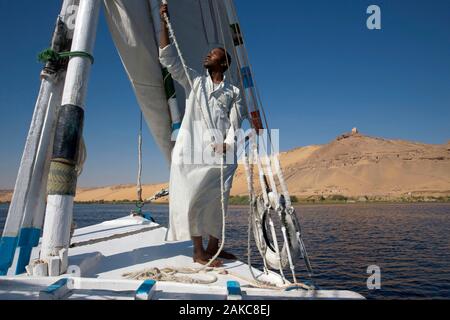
(336, 199)
(352, 168)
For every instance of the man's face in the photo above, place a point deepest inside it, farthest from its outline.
(214, 59)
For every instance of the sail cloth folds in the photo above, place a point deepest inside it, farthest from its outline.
(200, 25)
(131, 27)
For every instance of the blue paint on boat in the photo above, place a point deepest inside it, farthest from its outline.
(7, 250)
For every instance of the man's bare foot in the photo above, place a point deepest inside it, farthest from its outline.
(203, 258)
(223, 254)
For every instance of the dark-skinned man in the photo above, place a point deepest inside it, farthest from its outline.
(195, 185)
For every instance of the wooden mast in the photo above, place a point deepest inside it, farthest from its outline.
(25, 216)
(62, 178)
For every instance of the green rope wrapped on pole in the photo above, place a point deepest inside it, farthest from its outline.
(51, 55)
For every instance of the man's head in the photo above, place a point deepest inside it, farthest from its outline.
(218, 59)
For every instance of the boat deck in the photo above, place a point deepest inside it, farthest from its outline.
(102, 256)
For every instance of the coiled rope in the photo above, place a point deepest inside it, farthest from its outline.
(173, 275)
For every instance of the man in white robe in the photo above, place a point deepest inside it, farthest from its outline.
(195, 175)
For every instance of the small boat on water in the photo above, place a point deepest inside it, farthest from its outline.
(128, 258)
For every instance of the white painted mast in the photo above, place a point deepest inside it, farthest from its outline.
(34, 214)
(25, 216)
(244, 67)
(34, 210)
(63, 176)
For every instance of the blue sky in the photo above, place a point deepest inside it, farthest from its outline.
(319, 69)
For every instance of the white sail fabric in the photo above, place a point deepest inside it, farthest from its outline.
(200, 25)
(132, 31)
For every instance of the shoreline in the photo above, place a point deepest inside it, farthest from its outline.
(243, 201)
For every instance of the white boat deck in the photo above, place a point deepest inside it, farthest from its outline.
(100, 255)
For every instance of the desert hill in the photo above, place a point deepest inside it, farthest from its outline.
(353, 165)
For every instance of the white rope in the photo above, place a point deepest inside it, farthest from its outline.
(251, 216)
(248, 171)
(162, 193)
(222, 202)
(249, 174)
(180, 275)
(262, 182)
(183, 63)
(282, 181)
(276, 164)
(279, 210)
(268, 285)
(267, 206)
(170, 274)
(139, 176)
(291, 211)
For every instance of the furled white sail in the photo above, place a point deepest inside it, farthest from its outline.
(200, 25)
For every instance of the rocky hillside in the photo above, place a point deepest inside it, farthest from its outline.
(355, 165)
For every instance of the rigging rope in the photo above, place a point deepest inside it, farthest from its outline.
(250, 184)
(269, 163)
(140, 202)
(139, 176)
(272, 181)
(251, 191)
(51, 55)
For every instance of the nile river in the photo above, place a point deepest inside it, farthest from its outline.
(410, 243)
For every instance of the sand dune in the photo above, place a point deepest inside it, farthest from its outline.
(5, 195)
(355, 165)
(352, 165)
(118, 192)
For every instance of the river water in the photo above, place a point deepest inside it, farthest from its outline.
(410, 243)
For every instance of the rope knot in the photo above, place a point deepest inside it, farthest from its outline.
(50, 55)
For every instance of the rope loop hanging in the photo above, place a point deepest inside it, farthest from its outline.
(139, 202)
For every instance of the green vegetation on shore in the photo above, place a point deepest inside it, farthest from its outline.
(340, 199)
(124, 201)
(334, 199)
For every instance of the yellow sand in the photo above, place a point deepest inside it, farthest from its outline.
(352, 165)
